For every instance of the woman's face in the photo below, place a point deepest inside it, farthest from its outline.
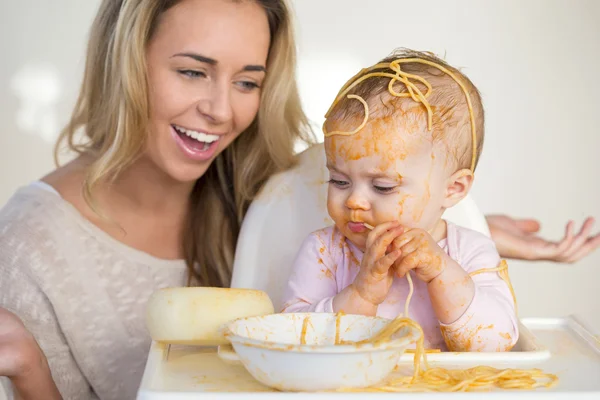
(206, 65)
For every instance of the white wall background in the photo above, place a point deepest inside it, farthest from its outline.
(535, 61)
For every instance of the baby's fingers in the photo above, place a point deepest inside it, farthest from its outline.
(380, 247)
(382, 266)
(380, 230)
(408, 262)
(401, 241)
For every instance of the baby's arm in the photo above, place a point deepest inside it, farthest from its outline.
(312, 285)
(489, 323)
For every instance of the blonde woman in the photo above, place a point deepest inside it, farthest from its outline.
(186, 109)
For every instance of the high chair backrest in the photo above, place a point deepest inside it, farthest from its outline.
(292, 205)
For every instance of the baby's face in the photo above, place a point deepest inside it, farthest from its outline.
(390, 170)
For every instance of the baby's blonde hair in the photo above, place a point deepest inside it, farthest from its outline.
(451, 119)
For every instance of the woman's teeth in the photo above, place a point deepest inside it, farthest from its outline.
(202, 137)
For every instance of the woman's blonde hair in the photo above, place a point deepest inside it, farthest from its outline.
(113, 112)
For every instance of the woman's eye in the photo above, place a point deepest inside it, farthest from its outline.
(248, 85)
(190, 73)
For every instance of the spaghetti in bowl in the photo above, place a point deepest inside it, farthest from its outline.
(315, 351)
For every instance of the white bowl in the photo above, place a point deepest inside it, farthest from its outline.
(269, 348)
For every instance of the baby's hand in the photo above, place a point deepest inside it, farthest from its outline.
(375, 277)
(421, 253)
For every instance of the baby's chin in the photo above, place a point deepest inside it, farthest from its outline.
(359, 240)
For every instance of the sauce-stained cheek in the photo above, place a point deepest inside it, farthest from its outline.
(423, 201)
(401, 205)
(335, 208)
(394, 211)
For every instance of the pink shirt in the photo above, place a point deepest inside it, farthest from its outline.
(327, 263)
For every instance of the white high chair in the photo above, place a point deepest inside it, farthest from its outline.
(292, 205)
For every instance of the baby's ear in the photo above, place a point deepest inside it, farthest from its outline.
(458, 186)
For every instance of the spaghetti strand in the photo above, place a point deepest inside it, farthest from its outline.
(412, 91)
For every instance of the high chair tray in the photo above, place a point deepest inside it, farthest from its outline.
(563, 346)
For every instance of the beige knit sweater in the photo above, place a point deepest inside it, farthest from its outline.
(80, 292)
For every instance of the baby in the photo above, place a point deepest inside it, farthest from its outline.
(402, 142)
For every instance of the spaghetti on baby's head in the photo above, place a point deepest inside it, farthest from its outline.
(450, 112)
(402, 141)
